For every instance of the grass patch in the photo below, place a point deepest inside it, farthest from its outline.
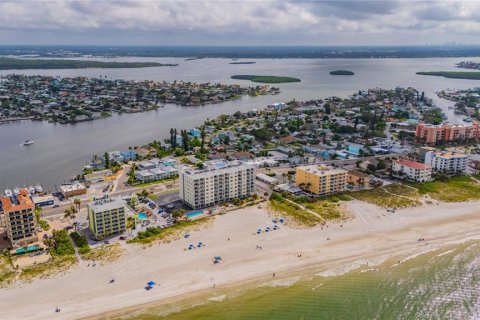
(456, 189)
(380, 197)
(7, 272)
(327, 209)
(166, 234)
(402, 190)
(295, 212)
(43, 270)
(104, 253)
(264, 79)
(152, 196)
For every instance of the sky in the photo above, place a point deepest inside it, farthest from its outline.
(247, 22)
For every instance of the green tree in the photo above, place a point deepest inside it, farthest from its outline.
(107, 160)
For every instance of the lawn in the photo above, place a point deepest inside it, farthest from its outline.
(402, 190)
(298, 215)
(456, 189)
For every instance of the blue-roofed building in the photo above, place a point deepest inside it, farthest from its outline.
(354, 148)
(115, 156)
(128, 155)
(194, 132)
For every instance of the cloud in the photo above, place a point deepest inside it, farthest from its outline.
(161, 22)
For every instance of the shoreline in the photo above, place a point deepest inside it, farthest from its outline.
(373, 236)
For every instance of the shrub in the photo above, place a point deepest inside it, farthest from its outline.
(63, 245)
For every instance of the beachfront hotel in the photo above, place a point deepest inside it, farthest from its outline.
(411, 170)
(433, 134)
(107, 217)
(19, 219)
(449, 162)
(321, 180)
(220, 182)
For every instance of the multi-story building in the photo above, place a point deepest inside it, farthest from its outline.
(220, 182)
(433, 134)
(19, 219)
(321, 180)
(358, 178)
(411, 170)
(107, 217)
(448, 162)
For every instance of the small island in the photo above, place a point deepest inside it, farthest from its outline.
(341, 73)
(265, 79)
(453, 74)
(21, 64)
(243, 62)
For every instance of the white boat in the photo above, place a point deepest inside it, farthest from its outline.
(16, 191)
(467, 119)
(28, 142)
(38, 188)
(8, 193)
(32, 190)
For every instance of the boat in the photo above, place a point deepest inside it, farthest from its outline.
(16, 191)
(28, 142)
(38, 188)
(8, 193)
(467, 119)
(31, 190)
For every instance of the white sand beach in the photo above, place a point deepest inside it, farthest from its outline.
(372, 236)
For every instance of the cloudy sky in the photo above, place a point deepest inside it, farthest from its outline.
(247, 22)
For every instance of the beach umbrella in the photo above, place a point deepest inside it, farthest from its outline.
(151, 283)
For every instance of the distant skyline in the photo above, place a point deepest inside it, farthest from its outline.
(248, 22)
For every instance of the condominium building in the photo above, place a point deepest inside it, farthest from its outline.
(321, 180)
(448, 162)
(107, 217)
(19, 219)
(411, 170)
(219, 182)
(433, 134)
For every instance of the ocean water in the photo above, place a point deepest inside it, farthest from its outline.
(443, 284)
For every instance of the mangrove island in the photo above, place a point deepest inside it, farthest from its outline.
(341, 73)
(453, 74)
(21, 64)
(265, 79)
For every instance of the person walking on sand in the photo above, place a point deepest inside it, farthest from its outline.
(274, 274)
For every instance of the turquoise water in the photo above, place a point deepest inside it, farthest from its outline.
(444, 284)
(31, 248)
(194, 214)
(142, 216)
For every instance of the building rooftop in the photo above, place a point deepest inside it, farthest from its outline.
(20, 202)
(449, 154)
(412, 164)
(321, 170)
(72, 187)
(106, 204)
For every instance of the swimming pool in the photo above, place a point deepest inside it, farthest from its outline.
(31, 248)
(142, 216)
(194, 214)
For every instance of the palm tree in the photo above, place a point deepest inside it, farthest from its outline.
(77, 202)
